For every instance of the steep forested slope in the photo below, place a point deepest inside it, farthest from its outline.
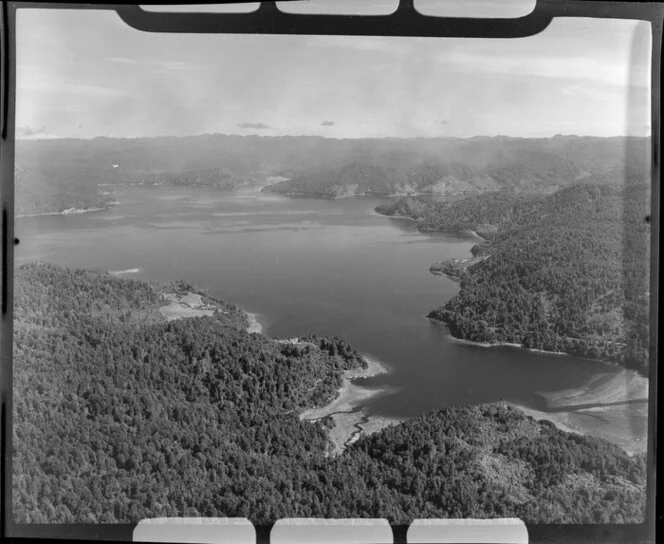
(119, 415)
(565, 272)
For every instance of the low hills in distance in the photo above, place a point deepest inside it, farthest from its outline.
(120, 414)
(56, 175)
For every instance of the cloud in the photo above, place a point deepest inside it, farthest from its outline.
(257, 126)
(442, 122)
(26, 132)
(327, 124)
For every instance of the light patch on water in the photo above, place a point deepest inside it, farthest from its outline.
(171, 197)
(254, 213)
(267, 227)
(123, 272)
(276, 179)
(174, 225)
(348, 410)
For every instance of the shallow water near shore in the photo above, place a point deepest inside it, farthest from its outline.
(333, 268)
(348, 410)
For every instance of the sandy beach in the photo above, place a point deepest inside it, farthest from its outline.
(123, 272)
(254, 324)
(351, 418)
(612, 406)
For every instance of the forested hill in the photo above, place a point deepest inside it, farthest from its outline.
(566, 272)
(484, 213)
(120, 415)
(470, 166)
(54, 175)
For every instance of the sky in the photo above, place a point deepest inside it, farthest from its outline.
(84, 73)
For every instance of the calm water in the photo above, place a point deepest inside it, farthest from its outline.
(310, 266)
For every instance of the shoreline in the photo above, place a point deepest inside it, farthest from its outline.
(470, 232)
(255, 326)
(397, 216)
(352, 419)
(612, 406)
(375, 195)
(621, 426)
(406, 217)
(68, 211)
(474, 233)
(438, 322)
(136, 270)
(348, 409)
(191, 305)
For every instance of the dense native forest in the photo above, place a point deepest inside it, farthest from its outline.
(449, 166)
(54, 175)
(119, 415)
(566, 272)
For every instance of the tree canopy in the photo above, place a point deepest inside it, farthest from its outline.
(120, 415)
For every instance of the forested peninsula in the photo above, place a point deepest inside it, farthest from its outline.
(121, 414)
(566, 272)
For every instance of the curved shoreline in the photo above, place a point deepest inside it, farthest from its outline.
(255, 326)
(350, 416)
(612, 406)
(70, 211)
(617, 412)
(123, 272)
(348, 409)
(375, 195)
(438, 322)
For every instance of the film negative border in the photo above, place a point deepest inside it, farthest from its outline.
(405, 21)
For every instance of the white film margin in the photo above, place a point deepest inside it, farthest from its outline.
(331, 531)
(468, 531)
(196, 530)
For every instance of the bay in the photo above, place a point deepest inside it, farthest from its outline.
(334, 268)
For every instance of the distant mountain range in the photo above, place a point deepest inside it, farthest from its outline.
(472, 166)
(55, 175)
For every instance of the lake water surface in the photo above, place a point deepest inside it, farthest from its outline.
(330, 267)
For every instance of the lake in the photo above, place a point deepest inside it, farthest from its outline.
(335, 268)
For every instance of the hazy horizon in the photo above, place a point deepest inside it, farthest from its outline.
(266, 136)
(85, 73)
(256, 135)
